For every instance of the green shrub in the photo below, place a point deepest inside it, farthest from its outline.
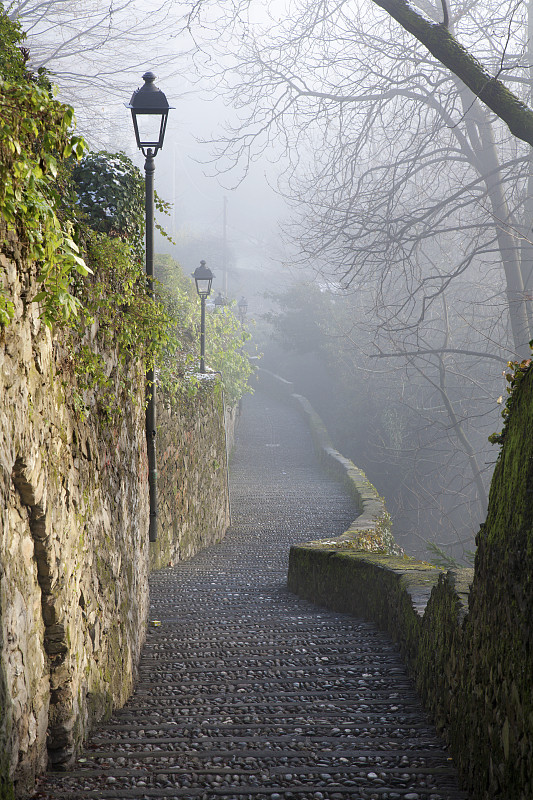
(35, 137)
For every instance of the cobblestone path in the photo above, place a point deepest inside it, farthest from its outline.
(245, 691)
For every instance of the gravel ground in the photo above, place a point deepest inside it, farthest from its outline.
(246, 692)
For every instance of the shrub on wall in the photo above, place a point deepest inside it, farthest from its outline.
(36, 135)
(225, 337)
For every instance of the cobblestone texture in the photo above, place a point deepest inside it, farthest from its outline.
(248, 693)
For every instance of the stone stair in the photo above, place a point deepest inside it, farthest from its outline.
(246, 692)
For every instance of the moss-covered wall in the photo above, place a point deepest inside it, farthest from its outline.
(467, 635)
(74, 551)
(499, 677)
(73, 544)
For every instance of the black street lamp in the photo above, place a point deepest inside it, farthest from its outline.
(149, 111)
(242, 305)
(203, 278)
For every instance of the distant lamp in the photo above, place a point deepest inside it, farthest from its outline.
(149, 110)
(203, 278)
(242, 305)
(219, 302)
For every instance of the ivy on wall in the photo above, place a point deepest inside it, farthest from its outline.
(35, 136)
(118, 317)
(110, 195)
(109, 191)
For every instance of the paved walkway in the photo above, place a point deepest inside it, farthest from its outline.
(247, 692)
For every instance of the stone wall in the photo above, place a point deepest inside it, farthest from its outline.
(466, 635)
(73, 547)
(193, 446)
(74, 551)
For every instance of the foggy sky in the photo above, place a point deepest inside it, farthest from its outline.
(99, 78)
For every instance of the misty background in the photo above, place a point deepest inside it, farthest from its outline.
(376, 217)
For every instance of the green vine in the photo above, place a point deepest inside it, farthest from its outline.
(225, 339)
(119, 318)
(35, 137)
(111, 195)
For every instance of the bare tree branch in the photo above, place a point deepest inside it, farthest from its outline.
(442, 351)
(445, 14)
(445, 47)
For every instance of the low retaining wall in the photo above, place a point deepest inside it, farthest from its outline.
(466, 635)
(371, 530)
(421, 608)
(74, 550)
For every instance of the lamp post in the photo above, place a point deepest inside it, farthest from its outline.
(149, 111)
(242, 305)
(203, 278)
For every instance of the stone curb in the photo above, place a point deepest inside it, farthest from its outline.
(371, 530)
(313, 566)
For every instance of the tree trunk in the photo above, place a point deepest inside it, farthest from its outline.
(526, 249)
(480, 134)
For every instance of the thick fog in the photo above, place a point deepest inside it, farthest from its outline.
(376, 216)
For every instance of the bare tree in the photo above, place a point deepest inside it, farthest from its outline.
(483, 83)
(420, 19)
(95, 51)
(302, 86)
(454, 404)
(416, 417)
(405, 187)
